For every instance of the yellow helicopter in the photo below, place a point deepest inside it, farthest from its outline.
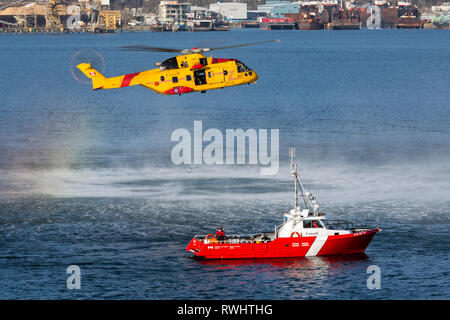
(189, 72)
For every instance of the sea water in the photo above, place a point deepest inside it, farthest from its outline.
(86, 177)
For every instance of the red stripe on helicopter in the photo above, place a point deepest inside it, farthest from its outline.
(178, 90)
(127, 79)
(219, 60)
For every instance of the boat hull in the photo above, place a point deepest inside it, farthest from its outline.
(285, 247)
(346, 26)
(310, 25)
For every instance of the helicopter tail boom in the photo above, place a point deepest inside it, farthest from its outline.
(98, 80)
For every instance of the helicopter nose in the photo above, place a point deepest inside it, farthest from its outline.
(254, 76)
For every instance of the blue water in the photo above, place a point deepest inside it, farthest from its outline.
(86, 176)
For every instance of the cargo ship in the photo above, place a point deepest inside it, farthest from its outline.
(346, 19)
(408, 16)
(389, 17)
(308, 17)
(304, 232)
(337, 17)
(402, 16)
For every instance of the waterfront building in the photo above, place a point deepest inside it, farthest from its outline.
(173, 12)
(230, 10)
(255, 14)
(277, 9)
(444, 8)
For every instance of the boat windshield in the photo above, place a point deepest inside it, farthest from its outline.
(337, 225)
(312, 224)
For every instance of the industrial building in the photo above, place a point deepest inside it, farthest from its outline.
(255, 14)
(230, 10)
(443, 8)
(439, 16)
(277, 9)
(58, 16)
(173, 12)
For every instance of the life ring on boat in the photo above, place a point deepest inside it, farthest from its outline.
(211, 238)
(295, 233)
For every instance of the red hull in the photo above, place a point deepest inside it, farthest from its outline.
(283, 247)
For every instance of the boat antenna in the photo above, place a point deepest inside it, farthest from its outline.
(295, 174)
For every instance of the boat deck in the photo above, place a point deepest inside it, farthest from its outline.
(238, 238)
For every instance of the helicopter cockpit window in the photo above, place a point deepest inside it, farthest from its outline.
(169, 64)
(242, 67)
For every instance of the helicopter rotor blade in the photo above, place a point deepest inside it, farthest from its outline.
(192, 50)
(149, 48)
(243, 45)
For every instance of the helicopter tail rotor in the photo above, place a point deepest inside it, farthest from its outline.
(97, 78)
(93, 58)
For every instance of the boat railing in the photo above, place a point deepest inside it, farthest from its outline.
(344, 225)
(234, 238)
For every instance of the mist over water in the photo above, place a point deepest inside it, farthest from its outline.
(86, 176)
(340, 183)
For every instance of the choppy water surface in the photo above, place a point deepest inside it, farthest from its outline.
(86, 177)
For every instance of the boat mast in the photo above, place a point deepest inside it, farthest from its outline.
(297, 183)
(308, 198)
(294, 173)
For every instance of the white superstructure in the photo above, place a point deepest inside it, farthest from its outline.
(308, 221)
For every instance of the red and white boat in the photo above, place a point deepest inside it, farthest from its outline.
(304, 232)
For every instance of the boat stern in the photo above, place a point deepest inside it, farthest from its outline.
(195, 246)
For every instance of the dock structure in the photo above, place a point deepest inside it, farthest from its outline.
(245, 24)
(56, 16)
(277, 24)
(337, 15)
(22, 15)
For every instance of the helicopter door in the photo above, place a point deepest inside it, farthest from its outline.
(200, 77)
(214, 75)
